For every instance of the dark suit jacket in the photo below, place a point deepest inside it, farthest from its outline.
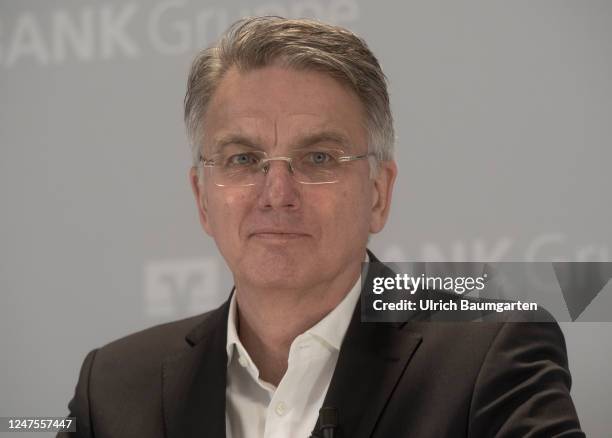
(392, 380)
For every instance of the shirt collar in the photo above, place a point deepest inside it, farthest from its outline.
(331, 329)
(232, 332)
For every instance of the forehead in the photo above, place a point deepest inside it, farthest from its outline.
(274, 106)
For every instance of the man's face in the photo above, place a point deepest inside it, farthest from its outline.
(281, 233)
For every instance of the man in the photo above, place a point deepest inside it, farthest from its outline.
(292, 142)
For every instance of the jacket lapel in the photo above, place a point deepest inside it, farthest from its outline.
(194, 381)
(372, 359)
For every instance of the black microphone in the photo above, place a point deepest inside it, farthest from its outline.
(328, 421)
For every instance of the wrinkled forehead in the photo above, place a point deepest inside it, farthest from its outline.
(274, 108)
(297, 134)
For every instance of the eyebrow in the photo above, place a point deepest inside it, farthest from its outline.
(308, 140)
(224, 140)
(324, 136)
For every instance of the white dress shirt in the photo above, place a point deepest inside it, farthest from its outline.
(257, 409)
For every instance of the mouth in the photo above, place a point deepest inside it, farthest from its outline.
(277, 235)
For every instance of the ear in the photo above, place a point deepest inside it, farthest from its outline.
(199, 193)
(382, 189)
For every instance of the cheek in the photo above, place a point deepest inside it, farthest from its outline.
(349, 211)
(226, 209)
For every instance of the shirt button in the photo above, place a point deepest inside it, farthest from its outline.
(281, 409)
(242, 361)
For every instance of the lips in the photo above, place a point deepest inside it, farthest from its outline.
(269, 233)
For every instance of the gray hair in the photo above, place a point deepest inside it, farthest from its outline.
(257, 42)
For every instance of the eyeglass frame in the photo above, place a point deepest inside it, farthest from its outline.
(264, 166)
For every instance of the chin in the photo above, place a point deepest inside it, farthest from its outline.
(279, 270)
(278, 252)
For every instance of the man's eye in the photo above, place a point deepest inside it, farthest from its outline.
(244, 159)
(319, 158)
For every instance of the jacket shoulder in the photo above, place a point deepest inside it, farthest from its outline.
(159, 340)
(120, 383)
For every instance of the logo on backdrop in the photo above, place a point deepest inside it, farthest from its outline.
(104, 31)
(546, 247)
(179, 288)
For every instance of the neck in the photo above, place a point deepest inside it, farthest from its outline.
(269, 320)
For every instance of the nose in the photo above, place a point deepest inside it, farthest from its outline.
(279, 188)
